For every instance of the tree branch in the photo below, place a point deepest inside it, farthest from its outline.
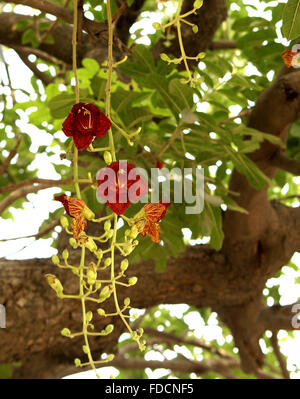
(22, 191)
(220, 366)
(35, 180)
(31, 65)
(13, 152)
(282, 161)
(63, 13)
(280, 358)
(280, 317)
(222, 45)
(38, 235)
(176, 340)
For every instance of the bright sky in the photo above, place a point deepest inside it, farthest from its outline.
(27, 221)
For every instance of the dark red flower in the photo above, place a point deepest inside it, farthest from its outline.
(84, 123)
(159, 164)
(119, 184)
(287, 55)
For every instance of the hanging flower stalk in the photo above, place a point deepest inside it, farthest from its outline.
(86, 123)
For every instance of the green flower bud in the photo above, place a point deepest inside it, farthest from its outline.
(101, 312)
(127, 232)
(164, 57)
(75, 271)
(91, 273)
(65, 332)
(55, 284)
(156, 25)
(198, 4)
(134, 232)
(109, 234)
(55, 259)
(90, 244)
(134, 335)
(132, 280)
(87, 213)
(65, 254)
(107, 262)
(127, 301)
(201, 55)
(110, 357)
(107, 225)
(195, 28)
(109, 328)
(135, 242)
(140, 331)
(77, 362)
(64, 222)
(73, 243)
(97, 285)
(89, 316)
(124, 265)
(104, 294)
(85, 349)
(107, 157)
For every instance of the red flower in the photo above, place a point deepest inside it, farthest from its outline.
(119, 184)
(73, 206)
(77, 209)
(159, 164)
(84, 123)
(287, 56)
(146, 221)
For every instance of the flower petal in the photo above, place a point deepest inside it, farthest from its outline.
(152, 229)
(73, 206)
(82, 140)
(78, 226)
(68, 126)
(118, 208)
(102, 125)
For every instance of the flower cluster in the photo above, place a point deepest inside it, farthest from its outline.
(118, 185)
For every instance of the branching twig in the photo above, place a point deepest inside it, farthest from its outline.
(31, 189)
(175, 339)
(36, 236)
(31, 65)
(34, 180)
(63, 13)
(280, 358)
(286, 163)
(13, 152)
(223, 45)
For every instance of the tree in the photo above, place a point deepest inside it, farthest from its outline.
(247, 159)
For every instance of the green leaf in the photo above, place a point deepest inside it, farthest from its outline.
(91, 65)
(60, 105)
(217, 235)
(291, 20)
(22, 24)
(29, 37)
(244, 165)
(183, 94)
(98, 86)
